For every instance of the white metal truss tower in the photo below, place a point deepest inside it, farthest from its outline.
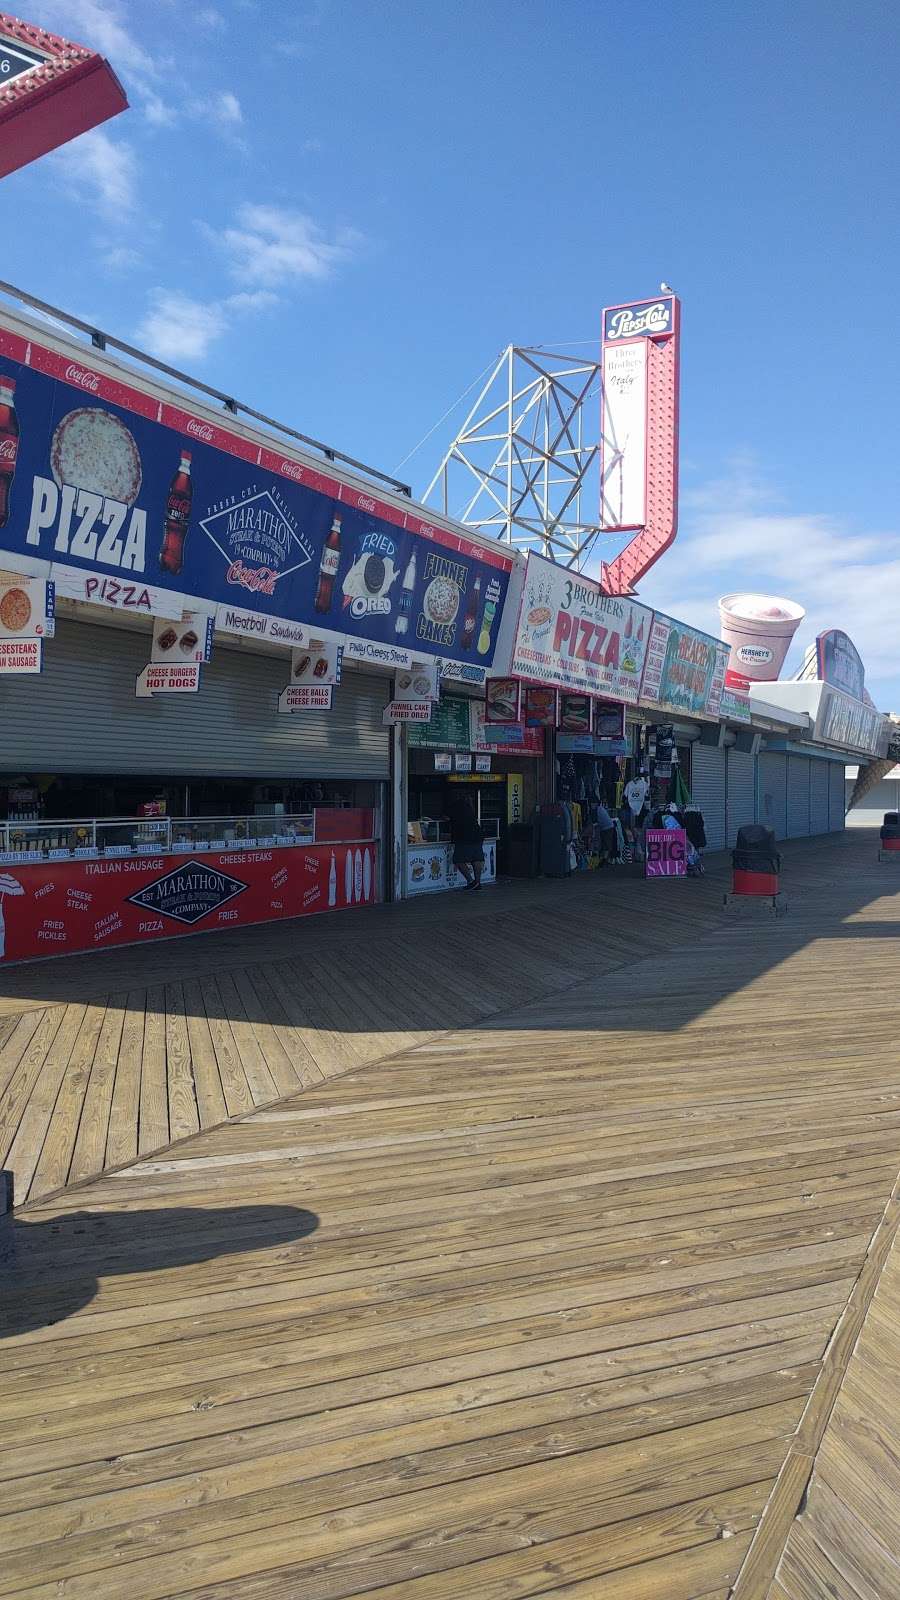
(527, 455)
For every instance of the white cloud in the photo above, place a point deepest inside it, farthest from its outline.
(222, 108)
(209, 17)
(180, 329)
(735, 535)
(270, 246)
(102, 170)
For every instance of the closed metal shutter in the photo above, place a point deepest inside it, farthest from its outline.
(798, 797)
(773, 793)
(819, 787)
(81, 715)
(708, 791)
(838, 796)
(740, 805)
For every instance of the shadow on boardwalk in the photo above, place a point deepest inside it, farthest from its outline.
(51, 1268)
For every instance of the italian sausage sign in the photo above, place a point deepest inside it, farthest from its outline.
(571, 634)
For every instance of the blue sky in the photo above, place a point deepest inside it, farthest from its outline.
(341, 211)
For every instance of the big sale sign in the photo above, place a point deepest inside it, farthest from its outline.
(571, 634)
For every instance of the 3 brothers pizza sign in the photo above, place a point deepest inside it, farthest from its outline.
(573, 635)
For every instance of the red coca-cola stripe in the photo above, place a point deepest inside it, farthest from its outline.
(84, 379)
(206, 432)
(12, 346)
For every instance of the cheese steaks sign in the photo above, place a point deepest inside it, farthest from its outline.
(132, 502)
(570, 634)
(54, 907)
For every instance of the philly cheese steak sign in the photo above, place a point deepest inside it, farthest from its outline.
(129, 501)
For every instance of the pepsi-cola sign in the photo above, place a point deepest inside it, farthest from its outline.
(136, 503)
(643, 319)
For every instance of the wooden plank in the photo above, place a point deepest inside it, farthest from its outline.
(25, 1151)
(153, 1127)
(29, 1066)
(55, 1158)
(261, 1085)
(90, 1143)
(124, 1116)
(211, 1105)
(184, 1115)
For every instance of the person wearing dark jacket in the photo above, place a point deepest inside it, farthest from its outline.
(467, 839)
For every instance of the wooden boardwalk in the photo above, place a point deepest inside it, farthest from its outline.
(105, 1057)
(535, 1306)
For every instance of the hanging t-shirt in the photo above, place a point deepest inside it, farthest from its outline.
(636, 794)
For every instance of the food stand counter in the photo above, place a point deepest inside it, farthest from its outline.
(85, 885)
(429, 861)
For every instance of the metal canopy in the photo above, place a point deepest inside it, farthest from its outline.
(520, 465)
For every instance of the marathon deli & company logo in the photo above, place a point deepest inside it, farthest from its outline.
(652, 319)
(189, 892)
(258, 538)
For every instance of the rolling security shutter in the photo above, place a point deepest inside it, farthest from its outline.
(81, 715)
(773, 793)
(798, 797)
(837, 797)
(708, 791)
(818, 795)
(741, 796)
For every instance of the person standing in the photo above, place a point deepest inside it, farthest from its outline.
(467, 839)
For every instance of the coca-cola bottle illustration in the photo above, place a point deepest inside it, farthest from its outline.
(178, 515)
(328, 567)
(9, 442)
(471, 616)
(406, 596)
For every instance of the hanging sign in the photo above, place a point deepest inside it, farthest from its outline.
(503, 699)
(305, 697)
(189, 640)
(482, 763)
(609, 719)
(421, 681)
(665, 852)
(175, 677)
(443, 763)
(569, 633)
(513, 738)
(575, 713)
(317, 666)
(27, 607)
(541, 708)
(406, 711)
(462, 763)
(21, 655)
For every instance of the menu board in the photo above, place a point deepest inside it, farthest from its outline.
(448, 728)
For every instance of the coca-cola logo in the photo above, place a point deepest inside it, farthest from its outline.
(426, 530)
(200, 430)
(364, 503)
(292, 470)
(81, 376)
(259, 580)
(8, 449)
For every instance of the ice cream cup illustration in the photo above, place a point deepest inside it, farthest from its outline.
(759, 628)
